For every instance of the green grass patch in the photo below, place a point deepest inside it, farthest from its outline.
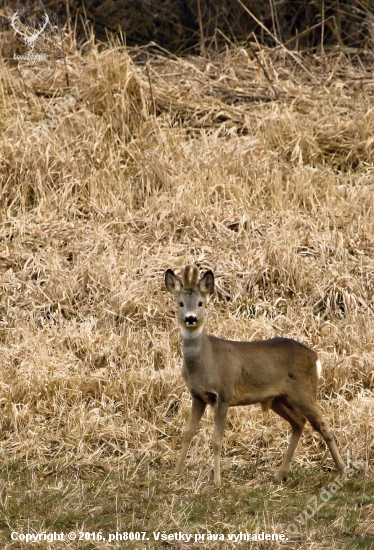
(91, 498)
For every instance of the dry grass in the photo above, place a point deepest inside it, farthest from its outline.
(166, 161)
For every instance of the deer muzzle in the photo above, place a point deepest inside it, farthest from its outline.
(190, 320)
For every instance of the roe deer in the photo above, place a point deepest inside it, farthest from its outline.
(279, 373)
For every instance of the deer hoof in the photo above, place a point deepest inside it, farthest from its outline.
(280, 478)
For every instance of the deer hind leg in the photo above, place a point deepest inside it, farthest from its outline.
(220, 415)
(313, 413)
(297, 423)
(197, 411)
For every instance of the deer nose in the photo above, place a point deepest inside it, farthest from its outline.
(190, 320)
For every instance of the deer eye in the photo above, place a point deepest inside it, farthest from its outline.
(200, 304)
(181, 304)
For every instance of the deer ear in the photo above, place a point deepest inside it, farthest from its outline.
(206, 283)
(173, 283)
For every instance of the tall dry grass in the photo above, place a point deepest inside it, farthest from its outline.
(265, 178)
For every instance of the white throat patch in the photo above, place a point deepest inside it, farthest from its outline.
(191, 334)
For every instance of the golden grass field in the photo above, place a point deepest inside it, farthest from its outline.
(257, 167)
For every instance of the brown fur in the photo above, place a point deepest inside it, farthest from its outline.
(279, 373)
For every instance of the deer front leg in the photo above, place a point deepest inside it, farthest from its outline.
(197, 411)
(220, 414)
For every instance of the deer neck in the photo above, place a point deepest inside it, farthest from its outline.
(194, 347)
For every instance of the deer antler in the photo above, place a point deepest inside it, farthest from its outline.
(190, 277)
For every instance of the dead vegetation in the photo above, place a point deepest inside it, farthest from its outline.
(259, 167)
